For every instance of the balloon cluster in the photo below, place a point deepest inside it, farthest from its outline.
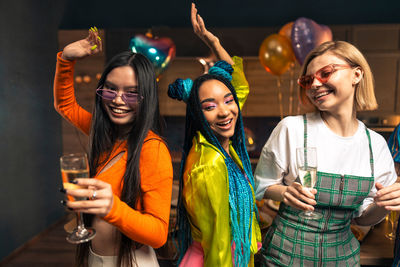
(279, 52)
(160, 51)
(295, 40)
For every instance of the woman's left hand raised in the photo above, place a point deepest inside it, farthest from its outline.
(388, 197)
(99, 194)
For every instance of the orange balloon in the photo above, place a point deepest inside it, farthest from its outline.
(286, 30)
(276, 54)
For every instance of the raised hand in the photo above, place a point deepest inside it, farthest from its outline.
(207, 37)
(388, 197)
(99, 194)
(199, 28)
(89, 46)
(299, 197)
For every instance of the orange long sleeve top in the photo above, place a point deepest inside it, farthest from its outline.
(147, 225)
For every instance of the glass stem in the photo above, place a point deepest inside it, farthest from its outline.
(393, 227)
(81, 227)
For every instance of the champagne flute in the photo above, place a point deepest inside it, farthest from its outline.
(76, 166)
(307, 167)
(393, 218)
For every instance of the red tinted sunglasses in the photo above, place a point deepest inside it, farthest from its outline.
(322, 75)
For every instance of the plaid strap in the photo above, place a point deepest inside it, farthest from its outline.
(371, 156)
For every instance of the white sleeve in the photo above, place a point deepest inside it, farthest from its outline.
(384, 170)
(268, 172)
(275, 160)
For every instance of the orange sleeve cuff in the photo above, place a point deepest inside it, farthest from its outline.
(112, 216)
(64, 61)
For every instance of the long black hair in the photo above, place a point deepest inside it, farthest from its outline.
(195, 121)
(103, 136)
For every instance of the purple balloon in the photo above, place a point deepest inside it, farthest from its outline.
(306, 35)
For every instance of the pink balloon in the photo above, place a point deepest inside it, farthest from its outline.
(324, 34)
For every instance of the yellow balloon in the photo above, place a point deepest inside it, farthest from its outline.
(276, 54)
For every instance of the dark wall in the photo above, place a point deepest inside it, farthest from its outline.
(30, 129)
(226, 13)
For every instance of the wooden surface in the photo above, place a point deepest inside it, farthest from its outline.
(379, 43)
(51, 249)
(376, 249)
(47, 249)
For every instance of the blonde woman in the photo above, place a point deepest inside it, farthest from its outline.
(355, 169)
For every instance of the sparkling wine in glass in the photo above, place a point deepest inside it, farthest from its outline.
(307, 167)
(76, 166)
(393, 217)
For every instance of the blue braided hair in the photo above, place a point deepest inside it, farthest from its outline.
(240, 194)
(222, 69)
(180, 89)
(394, 144)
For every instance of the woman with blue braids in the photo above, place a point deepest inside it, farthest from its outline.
(217, 215)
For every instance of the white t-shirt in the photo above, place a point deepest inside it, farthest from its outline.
(335, 154)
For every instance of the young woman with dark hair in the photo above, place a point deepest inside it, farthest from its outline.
(217, 214)
(130, 192)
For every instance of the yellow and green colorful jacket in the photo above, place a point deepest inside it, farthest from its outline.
(206, 191)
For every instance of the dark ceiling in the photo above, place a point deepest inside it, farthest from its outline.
(79, 14)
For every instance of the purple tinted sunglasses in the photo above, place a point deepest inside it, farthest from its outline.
(110, 95)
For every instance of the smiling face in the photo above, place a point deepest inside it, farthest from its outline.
(219, 109)
(122, 80)
(337, 94)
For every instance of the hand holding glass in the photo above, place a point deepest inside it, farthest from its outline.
(76, 166)
(307, 167)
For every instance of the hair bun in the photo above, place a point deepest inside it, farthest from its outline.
(180, 89)
(223, 69)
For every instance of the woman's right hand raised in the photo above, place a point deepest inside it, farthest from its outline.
(89, 46)
(208, 37)
(299, 197)
(200, 29)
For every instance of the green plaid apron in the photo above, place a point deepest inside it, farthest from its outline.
(293, 241)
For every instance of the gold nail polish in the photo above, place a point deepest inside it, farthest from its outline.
(93, 47)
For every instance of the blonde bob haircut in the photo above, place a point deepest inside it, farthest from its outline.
(364, 98)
